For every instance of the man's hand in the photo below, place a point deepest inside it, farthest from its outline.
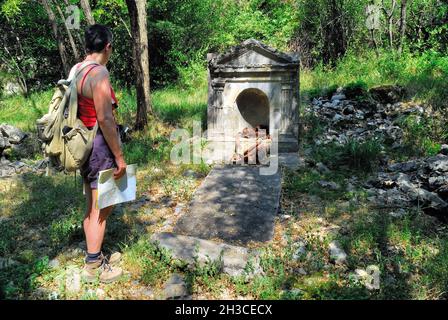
(121, 168)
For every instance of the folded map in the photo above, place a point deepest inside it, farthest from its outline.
(111, 191)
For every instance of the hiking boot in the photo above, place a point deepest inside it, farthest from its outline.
(114, 258)
(101, 269)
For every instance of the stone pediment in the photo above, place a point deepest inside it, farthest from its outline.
(253, 54)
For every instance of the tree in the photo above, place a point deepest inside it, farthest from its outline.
(70, 36)
(57, 35)
(389, 16)
(137, 15)
(86, 8)
(402, 24)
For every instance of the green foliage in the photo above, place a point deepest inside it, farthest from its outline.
(11, 8)
(355, 90)
(423, 75)
(362, 155)
(19, 280)
(62, 230)
(353, 155)
(423, 135)
(154, 262)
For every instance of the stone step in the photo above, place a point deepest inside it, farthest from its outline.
(231, 259)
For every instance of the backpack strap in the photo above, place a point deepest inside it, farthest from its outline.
(73, 103)
(84, 77)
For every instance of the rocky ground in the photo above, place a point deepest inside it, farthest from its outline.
(422, 182)
(19, 145)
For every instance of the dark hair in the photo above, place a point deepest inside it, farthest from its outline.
(97, 37)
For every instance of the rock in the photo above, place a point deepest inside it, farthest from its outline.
(7, 262)
(361, 273)
(294, 293)
(147, 292)
(54, 263)
(27, 147)
(14, 135)
(232, 260)
(4, 143)
(404, 166)
(73, 280)
(350, 187)
(291, 160)
(43, 294)
(100, 293)
(337, 255)
(179, 208)
(438, 163)
(444, 149)
(419, 194)
(387, 93)
(398, 213)
(190, 173)
(329, 184)
(175, 288)
(437, 182)
(301, 271)
(337, 117)
(338, 97)
(137, 204)
(322, 168)
(348, 110)
(82, 245)
(299, 250)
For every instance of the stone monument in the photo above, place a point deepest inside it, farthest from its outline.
(252, 85)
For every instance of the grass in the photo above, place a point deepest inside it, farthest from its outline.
(423, 75)
(41, 216)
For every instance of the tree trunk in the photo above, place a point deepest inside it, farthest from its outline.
(86, 8)
(57, 35)
(402, 24)
(335, 42)
(389, 16)
(372, 35)
(70, 37)
(80, 38)
(137, 15)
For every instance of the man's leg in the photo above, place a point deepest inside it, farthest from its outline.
(94, 229)
(94, 222)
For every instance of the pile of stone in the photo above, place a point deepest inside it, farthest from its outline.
(14, 139)
(10, 168)
(373, 115)
(422, 182)
(10, 136)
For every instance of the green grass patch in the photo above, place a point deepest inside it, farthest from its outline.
(424, 75)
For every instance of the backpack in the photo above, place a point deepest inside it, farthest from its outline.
(66, 141)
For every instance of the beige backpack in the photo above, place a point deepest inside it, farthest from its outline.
(66, 141)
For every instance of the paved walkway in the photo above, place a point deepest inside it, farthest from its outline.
(235, 204)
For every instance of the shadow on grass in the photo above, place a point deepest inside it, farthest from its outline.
(43, 220)
(401, 248)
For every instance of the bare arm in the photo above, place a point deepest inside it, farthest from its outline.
(106, 121)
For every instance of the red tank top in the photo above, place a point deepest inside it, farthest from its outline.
(86, 106)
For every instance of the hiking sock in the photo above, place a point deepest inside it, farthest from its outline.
(92, 257)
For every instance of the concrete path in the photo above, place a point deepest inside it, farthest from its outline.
(235, 204)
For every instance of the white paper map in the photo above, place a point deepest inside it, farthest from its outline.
(111, 191)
